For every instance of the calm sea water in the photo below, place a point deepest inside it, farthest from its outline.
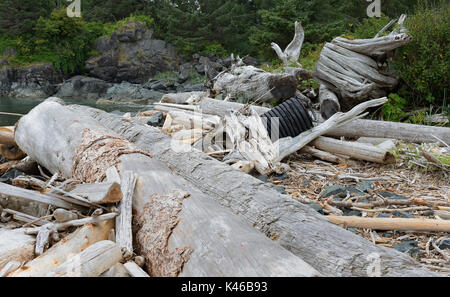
(23, 106)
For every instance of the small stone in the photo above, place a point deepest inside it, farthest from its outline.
(388, 235)
(333, 190)
(280, 189)
(9, 176)
(364, 186)
(428, 213)
(410, 247)
(263, 177)
(281, 177)
(156, 120)
(140, 261)
(354, 230)
(349, 213)
(392, 196)
(306, 182)
(402, 214)
(445, 244)
(316, 207)
(383, 215)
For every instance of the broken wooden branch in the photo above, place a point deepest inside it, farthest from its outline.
(124, 235)
(65, 249)
(134, 270)
(292, 52)
(93, 261)
(398, 224)
(99, 193)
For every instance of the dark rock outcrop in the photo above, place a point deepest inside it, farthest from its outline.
(36, 81)
(83, 87)
(131, 54)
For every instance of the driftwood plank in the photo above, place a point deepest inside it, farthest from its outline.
(91, 262)
(124, 234)
(15, 245)
(295, 226)
(15, 192)
(100, 193)
(134, 270)
(73, 244)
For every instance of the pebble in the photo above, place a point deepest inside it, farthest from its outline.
(445, 244)
(156, 120)
(280, 177)
(316, 207)
(349, 213)
(333, 190)
(402, 214)
(392, 196)
(410, 247)
(364, 185)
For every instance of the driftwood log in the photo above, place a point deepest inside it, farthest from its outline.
(328, 248)
(15, 245)
(292, 52)
(177, 224)
(67, 248)
(392, 130)
(253, 84)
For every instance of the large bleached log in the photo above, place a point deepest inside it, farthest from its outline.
(254, 84)
(328, 248)
(68, 247)
(100, 193)
(178, 224)
(15, 245)
(356, 150)
(91, 262)
(392, 130)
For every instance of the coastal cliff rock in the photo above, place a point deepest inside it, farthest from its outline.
(131, 54)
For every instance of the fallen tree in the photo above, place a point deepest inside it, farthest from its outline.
(330, 249)
(166, 207)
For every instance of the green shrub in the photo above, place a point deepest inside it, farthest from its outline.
(393, 110)
(424, 63)
(369, 27)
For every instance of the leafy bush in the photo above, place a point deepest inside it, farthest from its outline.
(369, 27)
(393, 110)
(424, 64)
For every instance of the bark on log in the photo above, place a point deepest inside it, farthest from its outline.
(255, 84)
(392, 130)
(100, 193)
(72, 245)
(398, 224)
(91, 262)
(295, 226)
(359, 151)
(15, 245)
(166, 217)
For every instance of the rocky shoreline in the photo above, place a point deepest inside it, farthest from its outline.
(130, 66)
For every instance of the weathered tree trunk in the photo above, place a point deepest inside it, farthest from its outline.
(179, 225)
(254, 84)
(356, 150)
(392, 130)
(330, 249)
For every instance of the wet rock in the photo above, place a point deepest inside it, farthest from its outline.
(364, 185)
(10, 175)
(428, 213)
(127, 92)
(410, 247)
(316, 207)
(353, 230)
(156, 85)
(334, 190)
(351, 212)
(83, 87)
(36, 81)
(156, 120)
(394, 196)
(184, 88)
(388, 235)
(402, 214)
(383, 215)
(445, 244)
(263, 177)
(185, 71)
(280, 177)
